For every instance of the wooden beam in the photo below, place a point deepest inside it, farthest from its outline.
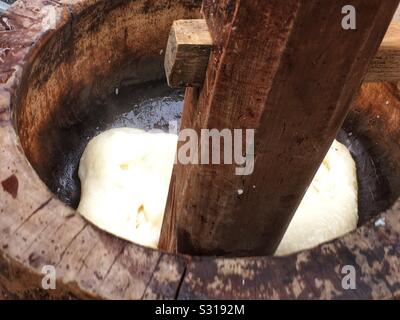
(290, 71)
(385, 66)
(187, 53)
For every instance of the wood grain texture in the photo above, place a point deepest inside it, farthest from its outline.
(36, 228)
(187, 54)
(386, 64)
(314, 274)
(373, 250)
(295, 91)
(384, 67)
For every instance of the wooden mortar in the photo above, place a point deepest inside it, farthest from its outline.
(48, 81)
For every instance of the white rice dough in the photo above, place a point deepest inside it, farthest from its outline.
(330, 207)
(125, 175)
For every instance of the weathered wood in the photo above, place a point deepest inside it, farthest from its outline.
(314, 274)
(386, 64)
(317, 273)
(93, 264)
(294, 90)
(37, 229)
(187, 54)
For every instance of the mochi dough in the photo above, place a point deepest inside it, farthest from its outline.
(329, 209)
(125, 175)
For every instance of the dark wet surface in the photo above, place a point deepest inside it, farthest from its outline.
(154, 105)
(373, 188)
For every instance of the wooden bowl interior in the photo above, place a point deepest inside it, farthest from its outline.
(70, 96)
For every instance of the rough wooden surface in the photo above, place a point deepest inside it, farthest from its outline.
(187, 54)
(294, 92)
(36, 228)
(384, 67)
(313, 274)
(316, 274)
(386, 64)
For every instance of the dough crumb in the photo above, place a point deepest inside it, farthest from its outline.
(380, 222)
